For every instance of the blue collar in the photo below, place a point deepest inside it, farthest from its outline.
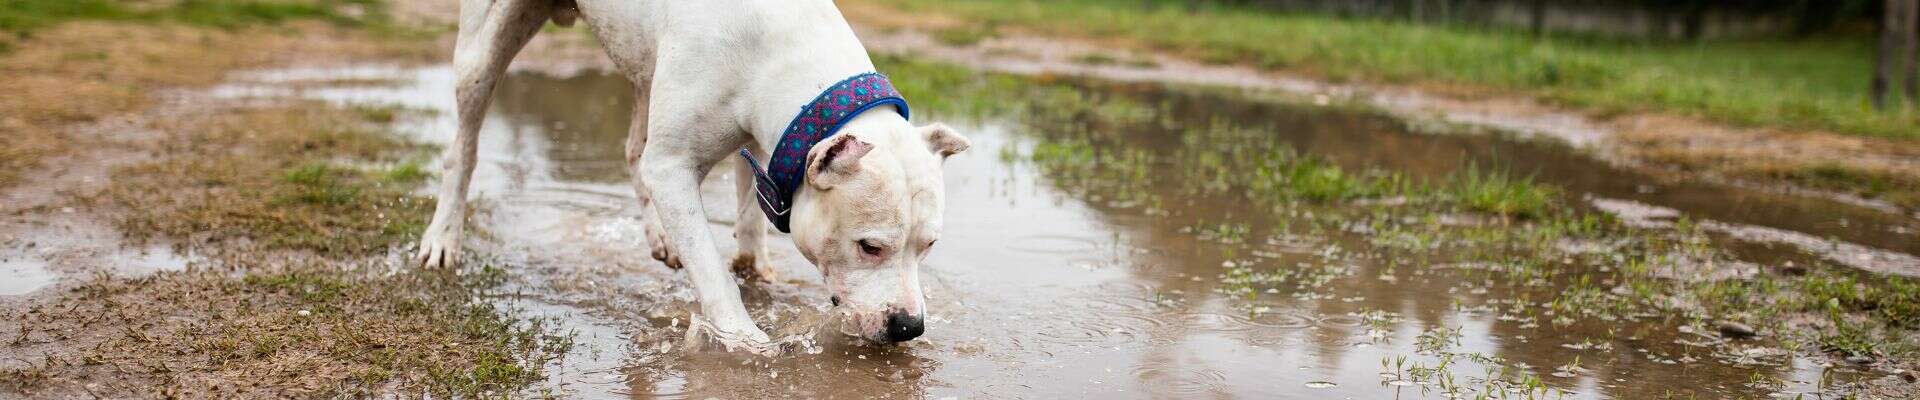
(821, 118)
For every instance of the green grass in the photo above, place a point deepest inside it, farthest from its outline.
(1295, 176)
(26, 15)
(407, 173)
(1815, 83)
(1502, 193)
(22, 17)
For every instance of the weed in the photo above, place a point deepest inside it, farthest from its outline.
(1849, 340)
(408, 173)
(1499, 192)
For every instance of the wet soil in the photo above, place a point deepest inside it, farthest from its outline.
(1052, 285)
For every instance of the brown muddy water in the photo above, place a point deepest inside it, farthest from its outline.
(1051, 285)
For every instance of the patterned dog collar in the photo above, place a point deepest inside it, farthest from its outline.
(787, 166)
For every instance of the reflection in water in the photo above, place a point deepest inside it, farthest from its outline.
(1137, 275)
(584, 120)
(22, 276)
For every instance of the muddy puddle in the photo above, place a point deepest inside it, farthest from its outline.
(47, 256)
(19, 277)
(1124, 276)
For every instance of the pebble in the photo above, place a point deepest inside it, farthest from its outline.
(1736, 330)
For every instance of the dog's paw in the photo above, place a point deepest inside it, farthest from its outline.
(439, 248)
(657, 240)
(753, 269)
(660, 252)
(741, 334)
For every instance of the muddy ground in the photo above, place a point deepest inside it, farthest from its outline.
(1144, 231)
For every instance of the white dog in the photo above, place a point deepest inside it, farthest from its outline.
(716, 76)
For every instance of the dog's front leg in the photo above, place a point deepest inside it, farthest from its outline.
(673, 178)
(750, 224)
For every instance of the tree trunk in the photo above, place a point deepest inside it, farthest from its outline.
(1537, 18)
(1910, 50)
(1883, 66)
(1815, 16)
(1693, 25)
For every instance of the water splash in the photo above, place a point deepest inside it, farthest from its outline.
(702, 333)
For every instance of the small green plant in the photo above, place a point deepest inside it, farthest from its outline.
(1498, 192)
(406, 173)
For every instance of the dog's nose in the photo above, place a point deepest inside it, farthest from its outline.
(902, 327)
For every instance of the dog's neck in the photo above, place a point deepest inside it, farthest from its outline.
(882, 120)
(879, 127)
(801, 56)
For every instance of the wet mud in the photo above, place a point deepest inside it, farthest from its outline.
(1054, 282)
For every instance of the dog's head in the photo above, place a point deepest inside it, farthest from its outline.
(869, 214)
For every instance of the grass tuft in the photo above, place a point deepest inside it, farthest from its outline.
(1499, 192)
(1291, 175)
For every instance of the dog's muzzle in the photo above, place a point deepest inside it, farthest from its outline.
(903, 326)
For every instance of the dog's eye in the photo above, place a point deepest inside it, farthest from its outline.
(869, 247)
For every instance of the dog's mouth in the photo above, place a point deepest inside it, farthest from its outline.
(850, 324)
(882, 328)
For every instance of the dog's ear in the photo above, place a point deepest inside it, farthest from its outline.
(943, 140)
(834, 161)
